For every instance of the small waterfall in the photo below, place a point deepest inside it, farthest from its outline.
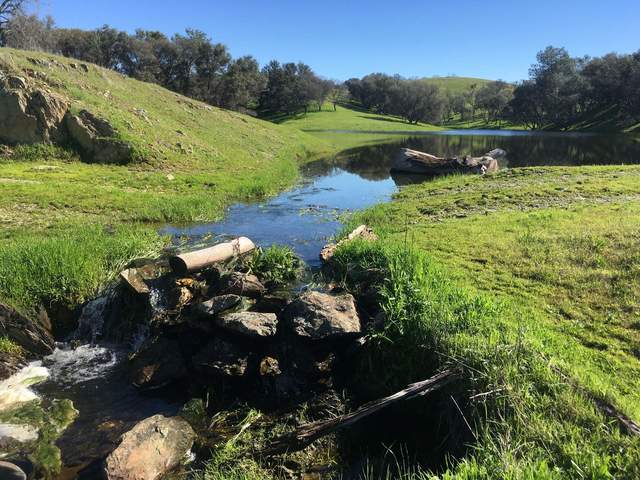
(91, 319)
(72, 366)
(15, 389)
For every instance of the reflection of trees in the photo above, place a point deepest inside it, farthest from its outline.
(373, 162)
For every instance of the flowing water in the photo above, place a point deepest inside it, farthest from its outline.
(95, 377)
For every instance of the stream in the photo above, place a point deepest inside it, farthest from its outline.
(94, 376)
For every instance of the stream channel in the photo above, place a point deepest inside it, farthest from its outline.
(94, 375)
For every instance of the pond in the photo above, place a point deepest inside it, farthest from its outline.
(305, 218)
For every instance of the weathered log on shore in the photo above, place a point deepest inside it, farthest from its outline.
(200, 259)
(414, 161)
(304, 435)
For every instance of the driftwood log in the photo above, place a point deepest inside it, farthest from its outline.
(414, 161)
(195, 261)
(305, 434)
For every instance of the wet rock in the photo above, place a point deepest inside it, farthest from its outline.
(9, 471)
(244, 284)
(149, 450)
(28, 334)
(317, 316)
(29, 115)
(220, 357)
(218, 304)
(158, 363)
(96, 138)
(251, 324)
(135, 281)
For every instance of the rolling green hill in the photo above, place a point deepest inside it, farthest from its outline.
(189, 161)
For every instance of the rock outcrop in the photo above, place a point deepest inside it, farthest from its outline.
(30, 335)
(96, 139)
(318, 316)
(29, 114)
(149, 450)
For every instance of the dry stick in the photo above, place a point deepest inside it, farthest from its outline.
(305, 434)
(629, 426)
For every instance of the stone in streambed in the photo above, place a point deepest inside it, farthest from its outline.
(158, 363)
(218, 304)
(244, 284)
(319, 316)
(150, 449)
(250, 324)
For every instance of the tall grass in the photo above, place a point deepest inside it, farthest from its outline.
(276, 265)
(68, 265)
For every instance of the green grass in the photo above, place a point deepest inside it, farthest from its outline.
(277, 265)
(9, 347)
(511, 276)
(456, 84)
(191, 161)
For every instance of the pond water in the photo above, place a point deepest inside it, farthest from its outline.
(305, 218)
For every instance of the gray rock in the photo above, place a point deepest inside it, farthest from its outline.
(317, 316)
(244, 284)
(218, 304)
(9, 471)
(150, 449)
(251, 324)
(220, 357)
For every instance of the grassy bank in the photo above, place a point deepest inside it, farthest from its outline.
(515, 278)
(190, 161)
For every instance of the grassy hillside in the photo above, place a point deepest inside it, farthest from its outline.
(528, 280)
(191, 160)
(456, 84)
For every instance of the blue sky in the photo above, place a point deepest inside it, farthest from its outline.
(347, 38)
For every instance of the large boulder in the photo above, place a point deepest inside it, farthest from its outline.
(97, 139)
(150, 449)
(29, 334)
(318, 316)
(250, 324)
(10, 471)
(29, 115)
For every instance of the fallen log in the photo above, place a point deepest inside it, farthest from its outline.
(200, 259)
(306, 434)
(414, 161)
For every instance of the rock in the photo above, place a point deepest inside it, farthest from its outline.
(220, 357)
(96, 139)
(251, 324)
(271, 304)
(135, 281)
(363, 232)
(150, 449)
(9, 471)
(319, 316)
(34, 339)
(158, 363)
(9, 364)
(269, 367)
(218, 304)
(29, 115)
(244, 284)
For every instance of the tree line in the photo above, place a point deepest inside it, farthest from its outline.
(190, 64)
